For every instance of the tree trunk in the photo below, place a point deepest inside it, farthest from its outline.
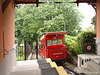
(31, 45)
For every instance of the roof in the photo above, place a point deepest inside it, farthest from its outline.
(38, 2)
(85, 1)
(53, 33)
(27, 2)
(56, 33)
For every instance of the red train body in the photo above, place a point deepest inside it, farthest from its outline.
(52, 46)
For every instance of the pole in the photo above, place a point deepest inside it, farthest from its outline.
(17, 47)
(25, 49)
(37, 49)
(46, 48)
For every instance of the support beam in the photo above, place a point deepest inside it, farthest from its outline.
(94, 6)
(84, 1)
(28, 2)
(15, 1)
(5, 5)
(37, 2)
(98, 20)
(77, 2)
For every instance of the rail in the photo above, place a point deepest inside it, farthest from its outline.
(75, 73)
(4, 50)
(7, 51)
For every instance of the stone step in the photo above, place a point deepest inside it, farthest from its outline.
(49, 71)
(42, 61)
(44, 65)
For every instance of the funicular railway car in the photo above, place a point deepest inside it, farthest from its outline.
(52, 46)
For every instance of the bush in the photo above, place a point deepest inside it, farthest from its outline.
(76, 45)
(83, 38)
(69, 42)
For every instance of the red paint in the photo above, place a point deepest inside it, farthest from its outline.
(54, 52)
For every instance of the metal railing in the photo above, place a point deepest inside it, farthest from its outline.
(12, 49)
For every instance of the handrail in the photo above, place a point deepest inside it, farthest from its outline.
(7, 51)
(3, 50)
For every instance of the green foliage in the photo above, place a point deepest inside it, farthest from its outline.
(21, 58)
(70, 42)
(76, 46)
(50, 17)
(94, 21)
(83, 38)
(86, 37)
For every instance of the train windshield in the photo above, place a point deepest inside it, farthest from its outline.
(54, 42)
(59, 41)
(48, 42)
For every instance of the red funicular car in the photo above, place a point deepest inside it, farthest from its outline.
(52, 46)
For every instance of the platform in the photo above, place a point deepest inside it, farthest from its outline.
(89, 64)
(37, 67)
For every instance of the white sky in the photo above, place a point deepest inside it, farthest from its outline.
(88, 12)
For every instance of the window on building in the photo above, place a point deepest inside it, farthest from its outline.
(59, 41)
(54, 42)
(48, 42)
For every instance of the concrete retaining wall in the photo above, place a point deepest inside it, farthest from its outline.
(98, 46)
(8, 62)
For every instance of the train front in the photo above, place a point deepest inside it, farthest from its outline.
(54, 46)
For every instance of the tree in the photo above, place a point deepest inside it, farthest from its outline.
(62, 13)
(94, 21)
(25, 26)
(31, 20)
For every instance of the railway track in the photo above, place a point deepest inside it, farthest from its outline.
(68, 69)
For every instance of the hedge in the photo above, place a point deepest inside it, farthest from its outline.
(75, 47)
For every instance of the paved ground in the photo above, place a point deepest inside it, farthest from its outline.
(33, 55)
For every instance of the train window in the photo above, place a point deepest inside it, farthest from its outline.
(59, 41)
(48, 42)
(54, 42)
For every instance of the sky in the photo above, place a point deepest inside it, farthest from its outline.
(88, 12)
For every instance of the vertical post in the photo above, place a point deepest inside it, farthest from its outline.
(98, 20)
(37, 3)
(25, 49)
(64, 27)
(37, 49)
(98, 27)
(17, 48)
(46, 48)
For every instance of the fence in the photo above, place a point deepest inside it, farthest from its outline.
(23, 50)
